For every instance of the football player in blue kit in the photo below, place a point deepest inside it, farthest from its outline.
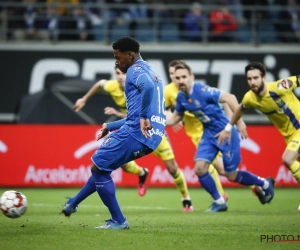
(135, 136)
(204, 102)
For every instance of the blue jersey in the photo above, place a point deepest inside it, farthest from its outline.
(203, 102)
(141, 76)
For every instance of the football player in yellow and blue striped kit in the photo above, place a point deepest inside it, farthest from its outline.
(278, 102)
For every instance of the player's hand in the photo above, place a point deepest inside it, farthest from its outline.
(79, 104)
(177, 127)
(145, 126)
(103, 132)
(110, 111)
(241, 127)
(222, 136)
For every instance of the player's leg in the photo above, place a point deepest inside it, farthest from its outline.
(214, 169)
(180, 183)
(72, 203)
(232, 158)
(106, 189)
(165, 152)
(133, 168)
(117, 151)
(219, 166)
(206, 152)
(291, 156)
(89, 188)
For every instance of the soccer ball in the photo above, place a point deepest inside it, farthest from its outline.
(13, 204)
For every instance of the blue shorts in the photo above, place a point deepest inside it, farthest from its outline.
(208, 149)
(117, 149)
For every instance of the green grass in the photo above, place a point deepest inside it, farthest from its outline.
(156, 222)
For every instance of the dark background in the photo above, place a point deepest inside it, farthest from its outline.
(16, 68)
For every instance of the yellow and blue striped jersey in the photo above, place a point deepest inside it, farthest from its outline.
(279, 104)
(112, 87)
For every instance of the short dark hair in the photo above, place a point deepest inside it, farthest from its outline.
(173, 63)
(126, 43)
(256, 65)
(183, 66)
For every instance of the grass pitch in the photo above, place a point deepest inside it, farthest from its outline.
(156, 222)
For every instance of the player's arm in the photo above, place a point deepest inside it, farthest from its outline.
(111, 126)
(173, 118)
(169, 106)
(241, 126)
(231, 101)
(177, 126)
(226, 132)
(236, 118)
(80, 103)
(227, 110)
(113, 111)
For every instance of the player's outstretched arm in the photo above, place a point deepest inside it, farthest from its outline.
(113, 111)
(80, 103)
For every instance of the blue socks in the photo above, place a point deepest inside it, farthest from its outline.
(246, 178)
(209, 185)
(106, 189)
(86, 191)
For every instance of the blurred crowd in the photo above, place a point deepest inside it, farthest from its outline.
(253, 21)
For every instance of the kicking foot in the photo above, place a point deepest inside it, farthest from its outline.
(68, 209)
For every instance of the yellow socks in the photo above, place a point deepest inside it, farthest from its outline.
(133, 168)
(180, 183)
(213, 172)
(295, 169)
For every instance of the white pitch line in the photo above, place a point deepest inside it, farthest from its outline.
(97, 206)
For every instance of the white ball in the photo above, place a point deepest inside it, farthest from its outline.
(299, 208)
(13, 204)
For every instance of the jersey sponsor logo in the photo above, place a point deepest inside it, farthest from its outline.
(156, 132)
(158, 119)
